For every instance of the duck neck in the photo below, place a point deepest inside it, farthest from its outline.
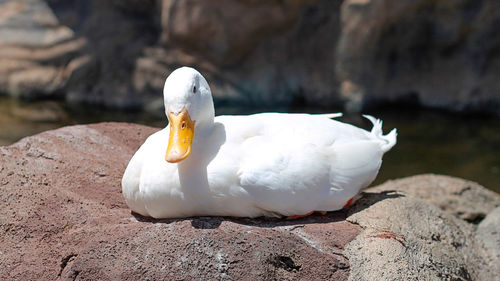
(205, 122)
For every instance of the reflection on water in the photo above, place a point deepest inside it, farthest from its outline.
(428, 141)
(19, 119)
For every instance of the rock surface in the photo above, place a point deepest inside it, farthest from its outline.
(62, 216)
(437, 53)
(117, 33)
(38, 55)
(420, 225)
(447, 193)
(488, 237)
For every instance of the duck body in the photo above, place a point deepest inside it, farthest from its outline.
(268, 164)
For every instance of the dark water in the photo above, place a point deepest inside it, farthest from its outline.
(428, 142)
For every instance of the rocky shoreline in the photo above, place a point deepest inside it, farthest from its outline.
(63, 217)
(322, 53)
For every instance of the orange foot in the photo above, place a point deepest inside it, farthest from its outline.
(349, 202)
(352, 200)
(305, 215)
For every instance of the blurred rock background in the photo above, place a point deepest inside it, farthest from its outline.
(321, 53)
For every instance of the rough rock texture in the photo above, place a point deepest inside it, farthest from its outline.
(417, 228)
(38, 56)
(117, 32)
(439, 53)
(488, 237)
(62, 216)
(447, 193)
(252, 52)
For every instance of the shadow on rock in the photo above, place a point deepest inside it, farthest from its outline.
(196, 222)
(280, 222)
(367, 199)
(264, 222)
(370, 198)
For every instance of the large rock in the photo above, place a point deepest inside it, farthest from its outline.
(318, 52)
(226, 31)
(438, 53)
(38, 56)
(488, 237)
(62, 216)
(448, 194)
(422, 228)
(264, 53)
(117, 32)
(253, 52)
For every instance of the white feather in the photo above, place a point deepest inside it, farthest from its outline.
(331, 115)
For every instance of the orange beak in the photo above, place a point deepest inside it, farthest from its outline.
(181, 136)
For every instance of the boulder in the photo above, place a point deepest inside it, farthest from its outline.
(274, 54)
(409, 234)
(488, 238)
(437, 53)
(38, 56)
(264, 53)
(62, 216)
(117, 33)
(226, 31)
(356, 52)
(448, 194)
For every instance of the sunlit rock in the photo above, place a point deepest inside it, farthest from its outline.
(62, 216)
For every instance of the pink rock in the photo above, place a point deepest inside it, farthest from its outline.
(62, 215)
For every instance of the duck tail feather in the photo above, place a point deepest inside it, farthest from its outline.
(391, 139)
(331, 115)
(388, 140)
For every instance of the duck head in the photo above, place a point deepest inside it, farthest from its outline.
(189, 108)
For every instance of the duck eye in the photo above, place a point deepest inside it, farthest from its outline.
(194, 89)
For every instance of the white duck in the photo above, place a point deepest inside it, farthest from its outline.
(268, 164)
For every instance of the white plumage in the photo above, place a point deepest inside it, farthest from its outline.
(269, 164)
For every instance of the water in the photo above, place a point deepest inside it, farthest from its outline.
(428, 142)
